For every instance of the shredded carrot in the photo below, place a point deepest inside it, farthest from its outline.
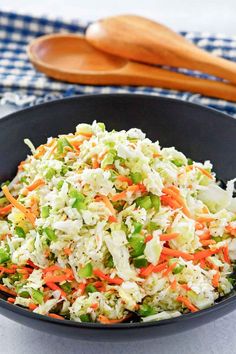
(199, 226)
(225, 250)
(107, 202)
(209, 263)
(112, 218)
(133, 188)
(21, 166)
(55, 278)
(215, 279)
(176, 196)
(57, 317)
(51, 268)
(11, 300)
(32, 306)
(30, 216)
(168, 201)
(76, 144)
(155, 155)
(109, 167)
(173, 284)
(231, 230)
(207, 242)
(206, 253)
(38, 183)
(94, 306)
(105, 320)
(205, 236)
(39, 151)
(203, 263)
(185, 301)
(81, 288)
(7, 270)
(54, 287)
(204, 219)
(169, 269)
(168, 237)
(101, 275)
(31, 264)
(148, 238)
(185, 287)
(86, 135)
(176, 253)
(145, 272)
(204, 172)
(6, 290)
(67, 251)
(5, 210)
(125, 179)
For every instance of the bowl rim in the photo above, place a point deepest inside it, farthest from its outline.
(224, 303)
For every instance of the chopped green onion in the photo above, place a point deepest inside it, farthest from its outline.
(64, 170)
(136, 241)
(146, 310)
(50, 173)
(144, 202)
(109, 158)
(60, 184)
(85, 318)
(137, 227)
(155, 202)
(79, 205)
(66, 287)
(24, 294)
(20, 232)
(177, 162)
(136, 177)
(190, 161)
(45, 211)
(23, 179)
(86, 271)
(110, 262)
(37, 296)
(90, 289)
(151, 226)
(61, 144)
(140, 262)
(73, 193)
(178, 268)
(3, 200)
(101, 126)
(50, 234)
(4, 256)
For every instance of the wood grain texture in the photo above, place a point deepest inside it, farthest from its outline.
(70, 58)
(137, 38)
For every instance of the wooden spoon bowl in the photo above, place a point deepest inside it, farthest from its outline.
(70, 58)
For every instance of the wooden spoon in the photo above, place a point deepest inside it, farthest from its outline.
(71, 58)
(143, 40)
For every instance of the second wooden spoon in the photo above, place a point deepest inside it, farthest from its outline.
(71, 58)
(143, 40)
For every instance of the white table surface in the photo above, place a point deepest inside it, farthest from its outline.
(217, 337)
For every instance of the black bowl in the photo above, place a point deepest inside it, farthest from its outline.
(199, 132)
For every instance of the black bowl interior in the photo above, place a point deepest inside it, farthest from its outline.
(199, 132)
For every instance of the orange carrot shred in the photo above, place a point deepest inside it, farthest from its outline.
(5, 210)
(38, 183)
(105, 320)
(57, 317)
(215, 279)
(6, 290)
(207, 242)
(54, 287)
(185, 301)
(206, 253)
(169, 269)
(30, 216)
(176, 253)
(11, 300)
(168, 237)
(125, 179)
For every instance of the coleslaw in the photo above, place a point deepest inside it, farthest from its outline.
(109, 227)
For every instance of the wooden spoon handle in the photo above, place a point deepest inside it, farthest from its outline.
(140, 39)
(140, 74)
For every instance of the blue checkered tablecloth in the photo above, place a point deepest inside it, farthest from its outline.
(21, 83)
